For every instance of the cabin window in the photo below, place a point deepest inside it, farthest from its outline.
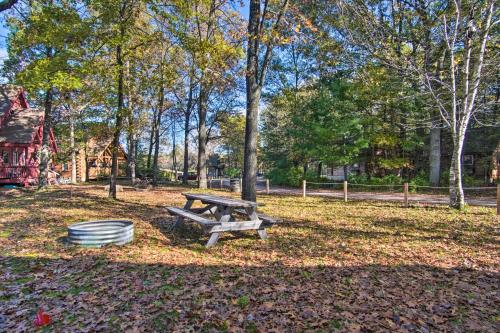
(15, 158)
(22, 158)
(468, 160)
(5, 157)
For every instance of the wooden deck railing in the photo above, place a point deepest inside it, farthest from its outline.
(16, 173)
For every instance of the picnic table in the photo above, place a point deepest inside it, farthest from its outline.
(220, 215)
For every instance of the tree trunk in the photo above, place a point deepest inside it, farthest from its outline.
(131, 139)
(187, 118)
(174, 152)
(346, 172)
(255, 78)
(45, 151)
(320, 168)
(131, 156)
(253, 92)
(151, 140)
(161, 101)
(250, 157)
(202, 136)
(118, 125)
(185, 171)
(73, 149)
(87, 166)
(457, 199)
(435, 156)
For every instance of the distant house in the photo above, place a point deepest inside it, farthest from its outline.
(337, 173)
(93, 161)
(215, 166)
(481, 153)
(21, 130)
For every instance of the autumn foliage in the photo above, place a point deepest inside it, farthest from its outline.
(329, 266)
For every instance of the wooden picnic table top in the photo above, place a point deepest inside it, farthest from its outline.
(218, 200)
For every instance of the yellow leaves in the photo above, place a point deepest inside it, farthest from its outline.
(310, 26)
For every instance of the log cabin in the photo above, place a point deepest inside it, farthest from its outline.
(93, 161)
(21, 130)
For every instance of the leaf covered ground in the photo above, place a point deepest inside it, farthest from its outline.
(329, 266)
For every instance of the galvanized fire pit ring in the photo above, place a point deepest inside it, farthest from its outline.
(99, 233)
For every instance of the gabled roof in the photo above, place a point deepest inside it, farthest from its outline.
(21, 126)
(97, 146)
(8, 95)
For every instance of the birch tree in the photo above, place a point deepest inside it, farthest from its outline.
(450, 67)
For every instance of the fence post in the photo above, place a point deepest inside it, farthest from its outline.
(498, 199)
(267, 186)
(221, 183)
(209, 182)
(241, 185)
(345, 190)
(304, 188)
(406, 194)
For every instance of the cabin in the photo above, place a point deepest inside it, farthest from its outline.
(480, 156)
(93, 161)
(21, 131)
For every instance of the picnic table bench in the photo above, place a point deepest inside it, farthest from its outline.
(219, 215)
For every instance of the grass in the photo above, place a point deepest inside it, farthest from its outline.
(329, 266)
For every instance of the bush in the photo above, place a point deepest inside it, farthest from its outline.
(293, 176)
(358, 179)
(472, 182)
(421, 179)
(467, 181)
(386, 180)
(285, 176)
(232, 172)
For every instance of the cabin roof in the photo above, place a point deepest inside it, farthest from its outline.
(97, 146)
(21, 126)
(8, 93)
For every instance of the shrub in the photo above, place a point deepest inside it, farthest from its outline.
(285, 176)
(421, 179)
(232, 172)
(293, 176)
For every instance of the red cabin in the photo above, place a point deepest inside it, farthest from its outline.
(21, 130)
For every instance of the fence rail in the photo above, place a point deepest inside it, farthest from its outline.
(398, 192)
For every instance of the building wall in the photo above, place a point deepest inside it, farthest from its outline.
(99, 167)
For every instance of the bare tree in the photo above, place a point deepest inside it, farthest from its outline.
(466, 32)
(461, 32)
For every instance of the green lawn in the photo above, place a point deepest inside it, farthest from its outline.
(328, 266)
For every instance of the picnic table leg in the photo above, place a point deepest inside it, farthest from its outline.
(262, 233)
(252, 214)
(223, 214)
(214, 237)
(179, 220)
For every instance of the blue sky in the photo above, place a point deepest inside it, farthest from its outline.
(3, 37)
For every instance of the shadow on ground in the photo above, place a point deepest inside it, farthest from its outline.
(96, 293)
